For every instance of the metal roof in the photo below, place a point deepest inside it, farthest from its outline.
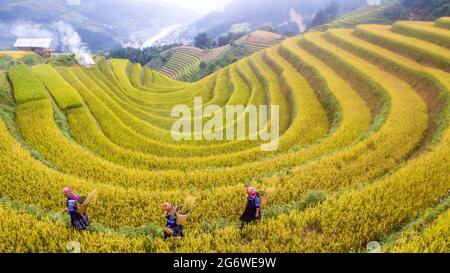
(44, 43)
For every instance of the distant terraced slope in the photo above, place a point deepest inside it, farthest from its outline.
(364, 149)
(185, 60)
(373, 14)
(259, 40)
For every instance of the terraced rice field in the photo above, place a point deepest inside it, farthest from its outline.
(443, 22)
(15, 54)
(373, 14)
(259, 40)
(185, 60)
(364, 149)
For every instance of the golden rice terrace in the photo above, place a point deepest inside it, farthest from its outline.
(364, 123)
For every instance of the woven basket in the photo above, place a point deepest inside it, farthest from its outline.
(263, 199)
(82, 208)
(181, 218)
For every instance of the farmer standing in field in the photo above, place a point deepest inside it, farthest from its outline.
(171, 229)
(79, 221)
(252, 211)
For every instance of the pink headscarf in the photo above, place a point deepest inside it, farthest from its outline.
(69, 193)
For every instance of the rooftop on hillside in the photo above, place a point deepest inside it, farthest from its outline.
(33, 43)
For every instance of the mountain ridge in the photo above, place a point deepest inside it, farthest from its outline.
(102, 24)
(258, 13)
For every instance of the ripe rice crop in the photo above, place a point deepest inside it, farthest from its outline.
(363, 154)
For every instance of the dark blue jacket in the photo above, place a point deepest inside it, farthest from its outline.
(171, 219)
(254, 202)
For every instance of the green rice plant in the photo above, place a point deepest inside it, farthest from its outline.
(65, 96)
(27, 86)
(443, 22)
(423, 30)
(137, 75)
(420, 50)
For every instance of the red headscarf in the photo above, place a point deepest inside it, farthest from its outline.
(167, 207)
(251, 191)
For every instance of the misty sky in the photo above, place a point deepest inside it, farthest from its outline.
(201, 6)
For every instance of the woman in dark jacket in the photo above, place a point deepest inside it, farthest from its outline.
(171, 229)
(80, 222)
(252, 211)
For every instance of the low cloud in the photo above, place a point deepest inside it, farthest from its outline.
(65, 38)
(298, 19)
(30, 30)
(71, 41)
(73, 2)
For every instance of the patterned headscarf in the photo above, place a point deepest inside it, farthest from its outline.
(167, 206)
(67, 191)
(251, 191)
(69, 194)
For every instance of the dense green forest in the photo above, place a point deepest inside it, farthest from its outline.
(136, 55)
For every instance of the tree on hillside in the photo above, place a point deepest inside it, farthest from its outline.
(142, 56)
(32, 59)
(268, 28)
(229, 37)
(63, 60)
(202, 40)
(7, 61)
(203, 65)
(223, 40)
(325, 15)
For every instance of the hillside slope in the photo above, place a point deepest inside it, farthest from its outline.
(374, 14)
(287, 15)
(183, 61)
(258, 40)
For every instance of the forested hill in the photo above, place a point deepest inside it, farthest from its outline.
(419, 9)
